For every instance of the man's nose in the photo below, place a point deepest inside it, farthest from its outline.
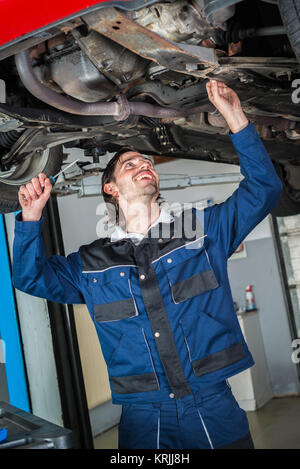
(146, 164)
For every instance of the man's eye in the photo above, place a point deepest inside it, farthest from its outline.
(128, 164)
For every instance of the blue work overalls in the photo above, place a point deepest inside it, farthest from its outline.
(164, 312)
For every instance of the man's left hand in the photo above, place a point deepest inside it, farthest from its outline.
(228, 104)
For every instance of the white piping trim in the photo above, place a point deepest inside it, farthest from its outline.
(176, 302)
(179, 247)
(158, 429)
(150, 355)
(103, 270)
(135, 307)
(188, 348)
(205, 429)
(208, 260)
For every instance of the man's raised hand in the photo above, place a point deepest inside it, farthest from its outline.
(228, 104)
(33, 199)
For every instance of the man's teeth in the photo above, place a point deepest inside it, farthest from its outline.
(144, 176)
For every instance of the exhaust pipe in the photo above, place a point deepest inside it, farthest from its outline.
(120, 109)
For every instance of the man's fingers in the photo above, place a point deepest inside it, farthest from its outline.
(36, 185)
(215, 89)
(42, 178)
(31, 190)
(209, 92)
(212, 88)
(24, 196)
(47, 186)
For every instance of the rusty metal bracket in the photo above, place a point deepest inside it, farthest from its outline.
(197, 61)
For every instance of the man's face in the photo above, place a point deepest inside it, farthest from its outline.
(134, 178)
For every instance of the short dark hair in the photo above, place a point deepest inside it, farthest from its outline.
(108, 176)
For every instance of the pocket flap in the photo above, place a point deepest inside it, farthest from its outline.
(115, 311)
(112, 274)
(183, 253)
(196, 285)
(191, 274)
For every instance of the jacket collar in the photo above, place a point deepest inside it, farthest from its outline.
(136, 238)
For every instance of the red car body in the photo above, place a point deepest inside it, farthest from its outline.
(20, 18)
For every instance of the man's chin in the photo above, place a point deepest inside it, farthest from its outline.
(150, 190)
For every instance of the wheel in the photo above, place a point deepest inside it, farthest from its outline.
(290, 14)
(49, 163)
(289, 200)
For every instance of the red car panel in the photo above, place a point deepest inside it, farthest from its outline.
(20, 17)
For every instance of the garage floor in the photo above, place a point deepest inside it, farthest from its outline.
(274, 426)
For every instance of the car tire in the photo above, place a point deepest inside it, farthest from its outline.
(9, 193)
(290, 14)
(289, 200)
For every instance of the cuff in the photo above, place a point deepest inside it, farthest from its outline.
(249, 133)
(33, 227)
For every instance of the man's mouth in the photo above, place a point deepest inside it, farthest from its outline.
(144, 175)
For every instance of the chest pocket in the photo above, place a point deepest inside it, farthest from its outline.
(189, 271)
(112, 295)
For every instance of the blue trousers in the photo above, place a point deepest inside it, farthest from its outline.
(206, 419)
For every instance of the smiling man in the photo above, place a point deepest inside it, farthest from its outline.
(159, 296)
(130, 187)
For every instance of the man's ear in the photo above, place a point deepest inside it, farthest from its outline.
(111, 189)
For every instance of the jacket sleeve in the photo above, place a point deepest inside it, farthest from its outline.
(230, 222)
(56, 278)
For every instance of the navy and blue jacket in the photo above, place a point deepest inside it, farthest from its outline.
(163, 309)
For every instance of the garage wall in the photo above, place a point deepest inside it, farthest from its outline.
(265, 278)
(93, 364)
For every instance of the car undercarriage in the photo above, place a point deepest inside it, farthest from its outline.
(135, 74)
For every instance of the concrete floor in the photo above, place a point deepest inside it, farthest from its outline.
(274, 426)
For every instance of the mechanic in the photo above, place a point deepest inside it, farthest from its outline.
(161, 303)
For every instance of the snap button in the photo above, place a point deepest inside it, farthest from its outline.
(95, 280)
(169, 260)
(122, 274)
(160, 240)
(157, 334)
(172, 395)
(142, 277)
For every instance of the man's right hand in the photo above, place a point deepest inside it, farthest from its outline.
(32, 199)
